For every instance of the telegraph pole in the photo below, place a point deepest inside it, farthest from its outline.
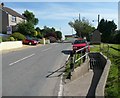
(98, 19)
(79, 16)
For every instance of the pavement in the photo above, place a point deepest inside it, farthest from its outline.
(79, 86)
(18, 49)
(85, 85)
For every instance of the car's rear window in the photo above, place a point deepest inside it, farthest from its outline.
(79, 41)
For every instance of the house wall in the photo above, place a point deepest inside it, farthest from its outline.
(18, 20)
(14, 23)
(4, 21)
(0, 20)
(96, 38)
(11, 23)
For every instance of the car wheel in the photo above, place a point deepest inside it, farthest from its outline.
(30, 43)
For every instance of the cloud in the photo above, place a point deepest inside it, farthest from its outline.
(60, 0)
(62, 13)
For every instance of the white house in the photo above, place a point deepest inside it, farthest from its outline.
(9, 18)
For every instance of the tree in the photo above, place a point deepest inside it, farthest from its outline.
(38, 29)
(82, 27)
(107, 28)
(48, 32)
(59, 34)
(30, 17)
(26, 28)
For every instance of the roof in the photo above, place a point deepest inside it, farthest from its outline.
(12, 12)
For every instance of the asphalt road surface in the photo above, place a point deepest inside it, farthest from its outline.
(24, 72)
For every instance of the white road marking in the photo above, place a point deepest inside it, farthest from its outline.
(46, 49)
(61, 87)
(21, 59)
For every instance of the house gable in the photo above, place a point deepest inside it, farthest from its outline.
(95, 37)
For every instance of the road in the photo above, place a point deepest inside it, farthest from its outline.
(24, 72)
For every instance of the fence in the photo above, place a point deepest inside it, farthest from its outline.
(76, 57)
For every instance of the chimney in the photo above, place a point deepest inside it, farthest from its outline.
(2, 4)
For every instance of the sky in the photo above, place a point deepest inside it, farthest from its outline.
(59, 14)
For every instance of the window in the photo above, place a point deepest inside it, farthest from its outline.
(79, 41)
(13, 19)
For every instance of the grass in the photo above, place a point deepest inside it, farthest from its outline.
(112, 87)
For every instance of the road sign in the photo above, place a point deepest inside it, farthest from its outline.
(9, 30)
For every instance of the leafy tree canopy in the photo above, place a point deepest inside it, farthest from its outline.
(47, 32)
(82, 27)
(26, 28)
(107, 28)
(30, 17)
(59, 34)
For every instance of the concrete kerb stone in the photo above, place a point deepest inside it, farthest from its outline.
(61, 86)
(102, 82)
(81, 70)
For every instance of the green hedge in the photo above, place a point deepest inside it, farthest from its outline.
(18, 36)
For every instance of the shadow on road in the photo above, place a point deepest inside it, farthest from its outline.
(67, 52)
(60, 70)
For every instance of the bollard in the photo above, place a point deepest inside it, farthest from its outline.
(72, 61)
(71, 64)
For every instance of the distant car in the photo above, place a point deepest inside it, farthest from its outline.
(38, 40)
(30, 41)
(80, 43)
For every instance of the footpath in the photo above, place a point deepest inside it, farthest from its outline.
(79, 86)
(91, 83)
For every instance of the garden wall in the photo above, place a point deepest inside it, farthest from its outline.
(10, 45)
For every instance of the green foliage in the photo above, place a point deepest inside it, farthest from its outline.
(35, 33)
(47, 32)
(50, 32)
(59, 34)
(30, 17)
(82, 27)
(116, 38)
(26, 28)
(18, 36)
(112, 85)
(37, 29)
(40, 35)
(11, 38)
(107, 28)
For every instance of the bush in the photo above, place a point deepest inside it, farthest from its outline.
(18, 36)
(35, 33)
(11, 38)
(52, 39)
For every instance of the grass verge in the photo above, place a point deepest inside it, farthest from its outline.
(112, 88)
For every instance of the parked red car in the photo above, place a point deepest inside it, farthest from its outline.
(80, 43)
(30, 41)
